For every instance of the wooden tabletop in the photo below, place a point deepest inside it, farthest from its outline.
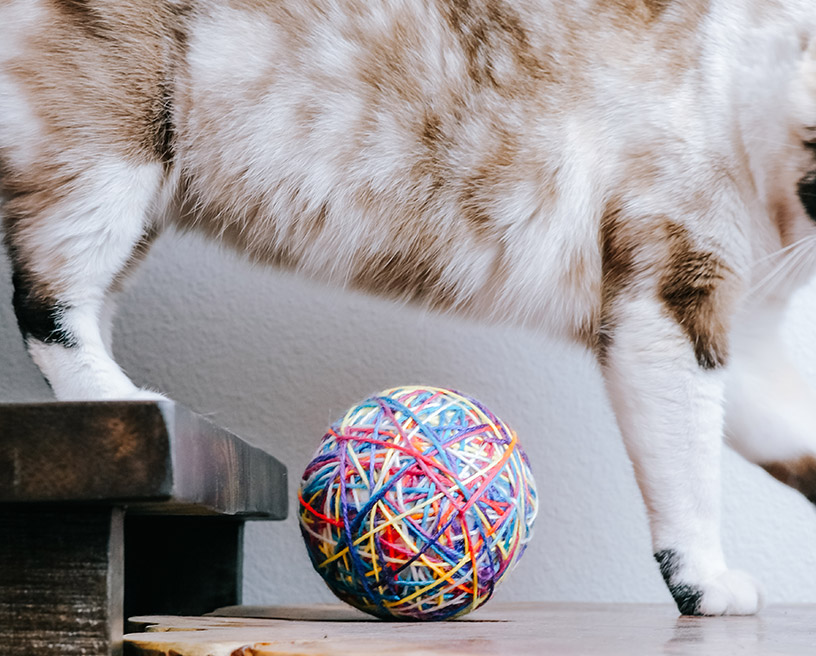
(533, 629)
(148, 456)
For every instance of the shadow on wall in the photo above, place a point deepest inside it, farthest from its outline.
(277, 359)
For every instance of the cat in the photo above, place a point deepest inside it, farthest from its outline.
(635, 175)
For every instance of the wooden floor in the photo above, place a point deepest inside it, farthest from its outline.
(512, 629)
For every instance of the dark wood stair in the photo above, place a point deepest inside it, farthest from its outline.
(113, 509)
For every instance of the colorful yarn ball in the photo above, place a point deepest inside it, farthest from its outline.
(417, 503)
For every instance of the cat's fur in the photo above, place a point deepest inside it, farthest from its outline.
(632, 174)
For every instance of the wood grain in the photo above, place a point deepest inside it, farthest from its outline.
(155, 457)
(497, 629)
(61, 574)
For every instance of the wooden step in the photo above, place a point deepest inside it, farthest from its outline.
(155, 457)
(117, 508)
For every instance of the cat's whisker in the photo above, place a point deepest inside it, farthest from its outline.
(806, 263)
(794, 258)
(777, 272)
(775, 143)
(785, 249)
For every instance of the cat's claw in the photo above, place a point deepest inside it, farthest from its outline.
(731, 593)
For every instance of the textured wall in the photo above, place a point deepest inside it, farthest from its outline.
(276, 359)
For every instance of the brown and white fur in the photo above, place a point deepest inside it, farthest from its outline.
(632, 174)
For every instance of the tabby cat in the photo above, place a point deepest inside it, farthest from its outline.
(636, 175)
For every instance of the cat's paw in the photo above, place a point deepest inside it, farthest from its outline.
(731, 593)
(721, 592)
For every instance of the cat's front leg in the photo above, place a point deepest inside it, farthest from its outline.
(667, 391)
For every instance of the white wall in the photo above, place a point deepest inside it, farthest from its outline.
(277, 359)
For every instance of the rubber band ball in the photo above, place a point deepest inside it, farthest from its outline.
(416, 504)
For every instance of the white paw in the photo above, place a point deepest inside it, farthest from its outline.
(732, 593)
(86, 374)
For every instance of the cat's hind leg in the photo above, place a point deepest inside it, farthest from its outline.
(770, 407)
(71, 231)
(86, 147)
